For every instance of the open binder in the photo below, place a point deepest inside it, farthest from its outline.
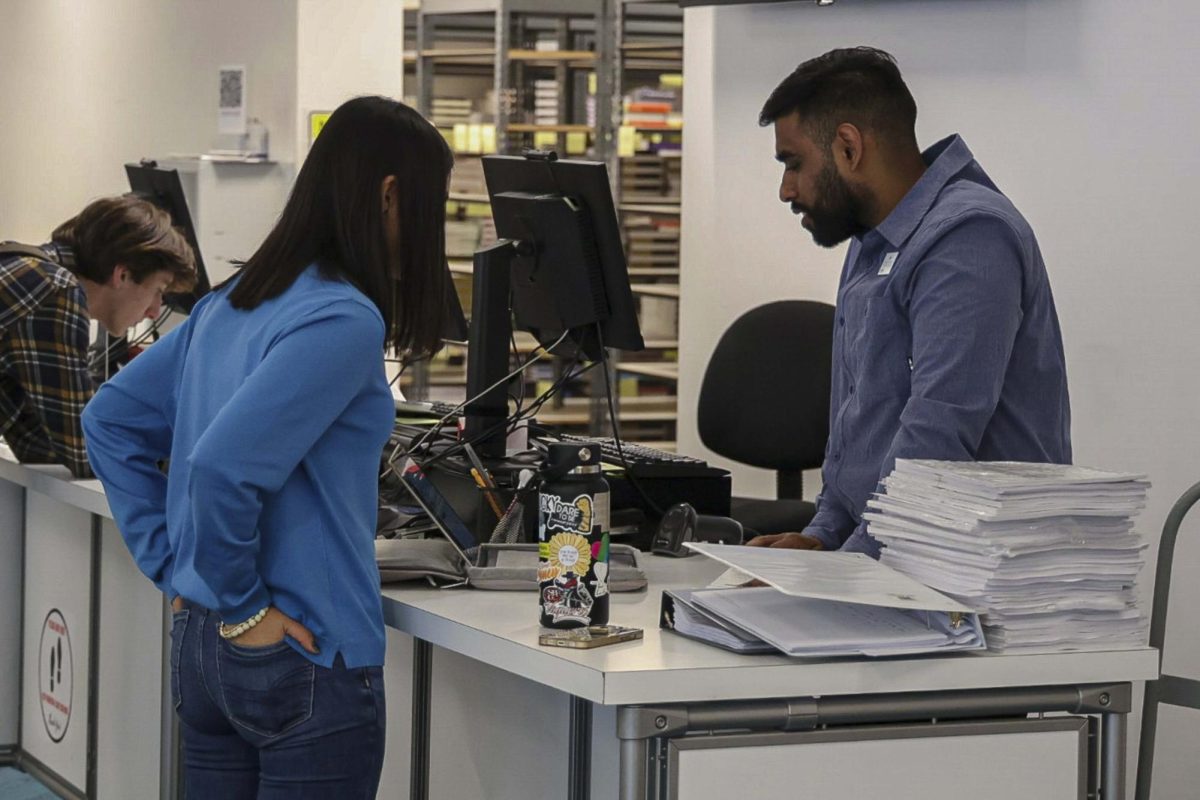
(818, 604)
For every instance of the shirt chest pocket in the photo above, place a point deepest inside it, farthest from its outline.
(879, 346)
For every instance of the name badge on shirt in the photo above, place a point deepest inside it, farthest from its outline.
(889, 261)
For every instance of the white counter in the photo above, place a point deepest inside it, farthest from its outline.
(82, 642)
(501, 629)
(510, 719)
(537, 708)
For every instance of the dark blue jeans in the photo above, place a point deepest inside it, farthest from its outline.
(265, 722)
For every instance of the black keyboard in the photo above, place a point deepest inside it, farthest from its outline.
(434, 408)
(442, 409)
(643, 461)
(640, 460)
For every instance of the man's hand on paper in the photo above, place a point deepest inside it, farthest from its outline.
(794, 541)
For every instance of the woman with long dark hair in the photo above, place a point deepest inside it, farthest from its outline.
(272, 408)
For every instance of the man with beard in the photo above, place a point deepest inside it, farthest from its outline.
(946, 341)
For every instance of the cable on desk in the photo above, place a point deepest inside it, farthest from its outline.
(454, 412)
(511, 422)
(616, 427)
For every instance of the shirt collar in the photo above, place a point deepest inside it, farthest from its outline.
(61, 254)
(945, 159)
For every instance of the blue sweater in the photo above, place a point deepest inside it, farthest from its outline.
(274, 421)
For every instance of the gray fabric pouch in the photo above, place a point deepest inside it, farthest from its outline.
(501, 567)
(513, 567)
(434, 560)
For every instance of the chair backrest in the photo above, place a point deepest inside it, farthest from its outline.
(764, 400)
(1172, 690)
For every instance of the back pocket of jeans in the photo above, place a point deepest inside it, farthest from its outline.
(267, 690)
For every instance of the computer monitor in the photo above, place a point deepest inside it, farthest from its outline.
(558, 272)
(569, 271)
(163, 188)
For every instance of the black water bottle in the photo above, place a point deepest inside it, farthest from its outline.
(573, 514)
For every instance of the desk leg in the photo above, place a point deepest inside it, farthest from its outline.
(422, 669)
(1112, 760)
(634, 755)
(579, 765)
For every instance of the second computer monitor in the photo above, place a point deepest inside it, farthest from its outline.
(163, 188)
(569, 272)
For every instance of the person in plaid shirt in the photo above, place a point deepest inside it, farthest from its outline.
(111, 263)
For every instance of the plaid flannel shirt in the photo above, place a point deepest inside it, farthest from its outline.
(44, 379)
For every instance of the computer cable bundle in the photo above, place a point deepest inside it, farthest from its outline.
(616, 428)
(457, 410)
(573, 371)
(509, 526)
(520, 398)
(510, 422)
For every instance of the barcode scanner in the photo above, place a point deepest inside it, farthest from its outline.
(682, 524)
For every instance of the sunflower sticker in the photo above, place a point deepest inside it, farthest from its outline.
(569, 553)
(566, 598)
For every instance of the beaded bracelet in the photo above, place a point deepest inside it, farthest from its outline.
(234, 631)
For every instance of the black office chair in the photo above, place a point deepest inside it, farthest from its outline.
(1172, 690)
(765, 402)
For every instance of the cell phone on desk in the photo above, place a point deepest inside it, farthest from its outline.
(440, 512)
(589, 637)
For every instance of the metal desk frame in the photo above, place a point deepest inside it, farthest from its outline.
(646, 731)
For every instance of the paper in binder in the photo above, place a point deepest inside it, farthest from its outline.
(819, 604)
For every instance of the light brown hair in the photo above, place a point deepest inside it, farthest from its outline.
(129, 232)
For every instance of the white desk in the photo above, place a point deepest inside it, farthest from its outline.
(666, 686)
(70, 586)
(606, 722)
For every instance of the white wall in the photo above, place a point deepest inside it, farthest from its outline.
(346, 48)
(1085, 113)
(86, 86)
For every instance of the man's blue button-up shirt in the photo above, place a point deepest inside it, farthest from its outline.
(946, 344)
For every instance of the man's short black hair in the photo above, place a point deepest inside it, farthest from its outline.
(859, 85)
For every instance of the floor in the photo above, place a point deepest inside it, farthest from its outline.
(16, 785)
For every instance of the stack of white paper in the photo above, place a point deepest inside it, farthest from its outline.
(1046, 552)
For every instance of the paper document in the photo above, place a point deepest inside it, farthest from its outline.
(763, 619)
(818, 605)
(691, 619)
(729, 579)
(844, 577)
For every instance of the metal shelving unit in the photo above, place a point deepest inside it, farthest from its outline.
(511, 26)
(648, 43)
(497, 51)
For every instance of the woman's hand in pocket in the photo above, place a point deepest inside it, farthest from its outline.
(273, 628)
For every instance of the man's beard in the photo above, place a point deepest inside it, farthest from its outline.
(835, 216)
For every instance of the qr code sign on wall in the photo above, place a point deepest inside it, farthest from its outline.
(231, 105)
(232, 88)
